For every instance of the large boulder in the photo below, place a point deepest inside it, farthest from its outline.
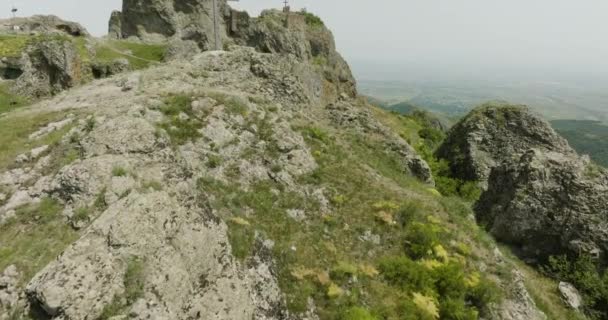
(157, 20)
(539, 195)
(493, 133)
(548, 203)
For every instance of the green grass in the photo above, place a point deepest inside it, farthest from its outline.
(318, 259)
(233, 104)
(139, 55)
(180, 130)
(15, 131)
(312, 20)
(10, 101)
(36, 236)
(119, 172)
(133, 283)
(12, 46)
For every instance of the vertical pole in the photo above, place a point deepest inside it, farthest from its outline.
(216, 26)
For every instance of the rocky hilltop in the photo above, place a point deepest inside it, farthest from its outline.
(180, 182)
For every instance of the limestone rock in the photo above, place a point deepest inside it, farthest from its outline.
(157, 20)
(494, 133)
(518, 305)
(42, 25)
(571, 295)
(104, 70)
(9, 290)
(548, 203)
(193, 276)
(48, 67)
(289, 33)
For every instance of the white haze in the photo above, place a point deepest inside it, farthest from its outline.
(432, 40)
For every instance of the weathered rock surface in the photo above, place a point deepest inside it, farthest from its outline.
(169, 228)
(540, 195)
(10, 294)
(40, 24)
(518, 305)
(158, 20)
(548, 203)
(49, 67)
(289, 33)
(571, 295)
(494, 133)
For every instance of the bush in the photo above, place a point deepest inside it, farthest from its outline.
(357, 313)
(420, 239)
(406, 274)
(584, 273)
(312, 20)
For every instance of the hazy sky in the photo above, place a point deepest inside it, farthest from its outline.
(467, 38)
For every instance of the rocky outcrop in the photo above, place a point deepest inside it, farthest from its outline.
(49, 67)
(540, 196)
(42, 25)
(43, 56)
(291, 33)
(494, 133)
(548, 203)
(157, 20)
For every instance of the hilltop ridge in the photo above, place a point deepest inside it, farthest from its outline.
(248, 183)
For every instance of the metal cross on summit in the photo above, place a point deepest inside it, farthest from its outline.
(286, 8)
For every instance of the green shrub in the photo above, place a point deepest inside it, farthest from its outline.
(214, 161)
(420, 239)
(312, 20)
(407, 274)
(89, 125)
(408, 213)
(432, 137)
(456, 309)
(343, 271)
(357, 313)
(584, 273)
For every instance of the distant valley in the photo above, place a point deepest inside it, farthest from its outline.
(578, 114)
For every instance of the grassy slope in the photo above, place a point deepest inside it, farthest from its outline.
(39, 232)
(424, 236)
(10, 101)
(140, 55)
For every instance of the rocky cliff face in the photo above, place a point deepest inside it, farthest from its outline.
(158, 20)
(540, 195)
(295, 33)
